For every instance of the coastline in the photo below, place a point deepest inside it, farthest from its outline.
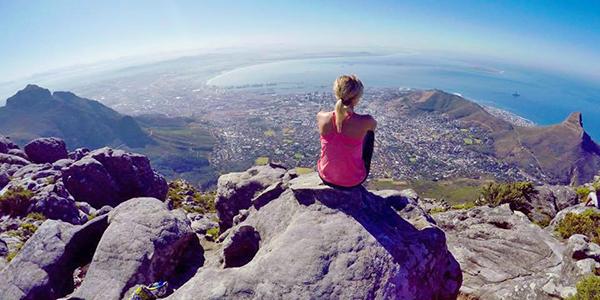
(509, 116)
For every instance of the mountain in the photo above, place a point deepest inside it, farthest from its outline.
(34, 111)
(559, 154)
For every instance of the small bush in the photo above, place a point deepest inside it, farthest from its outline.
(582, 192)
(517, 194)
(587, 289)
(586, 223)
(35, 216)
(213, 233)
(436, 210)
(201, 203)
(27, 230)
(15, 201)
(14, 253)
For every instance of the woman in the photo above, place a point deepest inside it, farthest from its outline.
(347, 137)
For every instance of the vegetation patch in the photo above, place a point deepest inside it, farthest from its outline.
(15, 201)
(586, 223)
(454, 191)
(587, 289)
(261, 161)
(213, 233)
(466, 205)
(11, 255)
(302, 170)
(36, 216)
(517, 194)
(183, 195)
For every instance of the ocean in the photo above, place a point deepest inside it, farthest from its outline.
(543, 97)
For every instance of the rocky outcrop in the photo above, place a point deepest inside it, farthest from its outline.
(548, 200)
(313, 241)
(235, 191)
(108, 177)
(44, 267)
(46, 150)
(144, 242)
(504, 256)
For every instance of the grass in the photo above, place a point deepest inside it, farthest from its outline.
(466, 205)
(35, 216)
(261, 161)
(298, 156)
(454, 191)
(269, 133)
(11, 255)
(468, 141)
(302, 170)
(213, 233)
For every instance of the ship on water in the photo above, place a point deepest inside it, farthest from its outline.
(516, 94)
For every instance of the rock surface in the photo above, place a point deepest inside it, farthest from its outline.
(46, 150)
(548, 201)
(318, 242)
(43, 269)
(144, 243)
(505, 256)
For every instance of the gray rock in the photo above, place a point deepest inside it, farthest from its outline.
(46, 150)
(43, 269)
(235, 191)
(3, 248)
(6, 144)
(240, 246)
(12, 160)
(271, 192)
(103, 210)
(79, 153)
(144, 243)
(503, 255)
(87, 180)
(4, 179)
(203, 224)
(317, 242)
(18, 152)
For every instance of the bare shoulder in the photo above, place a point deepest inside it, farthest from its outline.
(323, 116)
(368, 121)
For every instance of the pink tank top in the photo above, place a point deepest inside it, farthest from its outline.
(341, 161)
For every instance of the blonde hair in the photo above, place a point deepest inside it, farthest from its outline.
(347, 90)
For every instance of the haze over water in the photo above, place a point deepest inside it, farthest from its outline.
(544, 98)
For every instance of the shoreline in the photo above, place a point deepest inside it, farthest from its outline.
(508, 116)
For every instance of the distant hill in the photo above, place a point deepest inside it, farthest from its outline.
(559, 154)
(35, 111)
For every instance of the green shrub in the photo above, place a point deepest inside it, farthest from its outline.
(27, 230)
(436, 210)
(35, 216)
(213, 233)
(202, 203)
(582, 191)
(588, 288)
(15, 201)
(517, 194)
(14, 252)
(586, 223)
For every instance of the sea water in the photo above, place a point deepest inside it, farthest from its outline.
(543, 97)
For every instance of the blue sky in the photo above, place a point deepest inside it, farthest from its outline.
(36, 36)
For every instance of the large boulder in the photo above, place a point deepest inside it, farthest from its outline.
(46, 150)
(144, 243)
(316, 242)
(6, 144)
(43, 269)
(504, 255)
(109, 177)
(236, 191)
(547, 201)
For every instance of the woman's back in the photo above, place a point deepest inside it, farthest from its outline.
(341, 162)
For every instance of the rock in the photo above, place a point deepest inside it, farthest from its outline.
(235, 191)
(564, 197)
(103, 210)
(144, 243)
(3, 248)
(61, 164)
(132, 173)
(78, 153)
(271, 192)
(202, 225)
(87, 180)
(547, 201)
(503, 255)
(240, 246)
(13, 160)
(316, 242)
(46, 150)
(18, 152)
(6, 144)
(43, 269)
(109, 177)
(4, 179)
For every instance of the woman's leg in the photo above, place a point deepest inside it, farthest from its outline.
(367, 152)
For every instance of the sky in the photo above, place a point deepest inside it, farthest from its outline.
(38, 36)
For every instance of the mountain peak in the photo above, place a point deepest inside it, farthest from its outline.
(29, 96)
